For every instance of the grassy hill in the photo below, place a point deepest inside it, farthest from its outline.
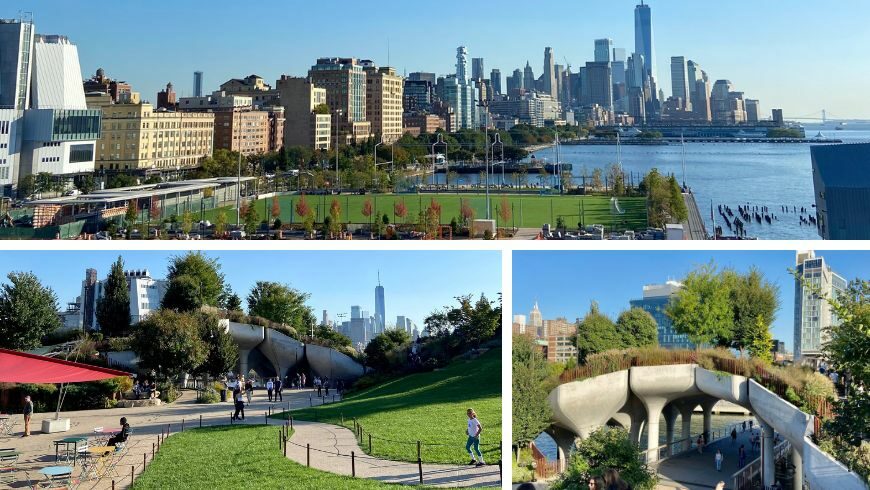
(241, 456)
(426, 407)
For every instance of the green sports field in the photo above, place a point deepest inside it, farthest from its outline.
(527, 211)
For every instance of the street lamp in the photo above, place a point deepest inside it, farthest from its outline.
(338, 113)
(440, 141)
(239, 193)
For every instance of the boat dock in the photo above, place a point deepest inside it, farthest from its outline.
(694, 226)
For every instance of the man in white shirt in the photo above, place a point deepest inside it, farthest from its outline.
(269, 387)
(473, 443)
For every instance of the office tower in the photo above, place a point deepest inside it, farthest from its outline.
(603, 48)
(634, 71)
(515, 83)
(380, 312)
(728, 106)
(462, 65)
(598, 85)
(619, 66)
(536, 321)
(459, 93)
(100, 83)
(146, 294)
(813, 315)
(528, 78)
(655, 300)
(423, 77)
(477, 69)
(495, 78)
(355, 312)
(841, 177)
(89, 298)
(167, 98)
(325, 321)
(345, 82)
(699, 86)
(519, 324)
(680, 81)
(384, 102)
(752, 111)
(549, 86)
(643, 39)
(417, 96)
(197, 84)
(45, 126)
(130, 129)
(306, 120)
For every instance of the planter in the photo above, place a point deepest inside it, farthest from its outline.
(50, 426)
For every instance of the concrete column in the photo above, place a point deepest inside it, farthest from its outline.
(798, 462)
(686, 411)
(768, 467)
(564, 444)
(243, 361)
(708, 418)
(653, 412)
(670, 414)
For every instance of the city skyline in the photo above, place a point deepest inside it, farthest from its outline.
(612, 279)
(406, 276)
(677, 26)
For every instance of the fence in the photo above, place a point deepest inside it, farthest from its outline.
(544, 469)
(683, 446)
(749, 477)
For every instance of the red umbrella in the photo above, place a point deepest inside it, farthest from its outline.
(21, 367)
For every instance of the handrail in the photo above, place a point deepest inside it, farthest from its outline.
(753, 468)
(666, 451)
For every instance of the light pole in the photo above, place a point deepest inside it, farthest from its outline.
(375, 154)
(497, 141)
(339, 113)
(440, 141)
(239, 193)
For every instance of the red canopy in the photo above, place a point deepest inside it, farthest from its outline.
(21, 367)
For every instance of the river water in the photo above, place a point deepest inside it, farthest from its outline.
(548, 446)
(732, 174)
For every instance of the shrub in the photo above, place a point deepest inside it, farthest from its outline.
(208, 396)
(168, 391)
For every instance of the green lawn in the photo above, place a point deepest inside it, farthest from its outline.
(429, 407)
(528, 211)
(242, 456)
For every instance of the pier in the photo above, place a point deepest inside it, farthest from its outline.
(694, 226)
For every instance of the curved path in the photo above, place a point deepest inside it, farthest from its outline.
(331, 448)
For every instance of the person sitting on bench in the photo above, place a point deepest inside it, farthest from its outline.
(120, 436)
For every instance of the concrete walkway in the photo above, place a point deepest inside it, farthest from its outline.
(331, 447)
(695, 471)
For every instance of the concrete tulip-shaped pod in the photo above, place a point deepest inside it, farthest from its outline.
(786, 418)
(583, 406)
(732, 388)
(656, 386)
(333, 364)
(282, 351)
(247, 337)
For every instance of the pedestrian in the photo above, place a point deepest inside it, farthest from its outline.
(700, 443)
(473, 431)
(304, 382)
(28, 414)
(744, 426)
(278, 387)
(596, 483)
(249, 389)
(751, 423)
(240, 405)
(719, 459)
(733, 436)
(318, 386)
(326, 386)
(270, 386)
(741, 457)
(720, 486)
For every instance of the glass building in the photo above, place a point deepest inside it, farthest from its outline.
(655, 300)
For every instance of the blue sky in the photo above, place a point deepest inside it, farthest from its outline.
(415, 283)
(564, 283)
(778, 52)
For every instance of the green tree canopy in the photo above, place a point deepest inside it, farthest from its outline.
(531, 410)
(113, 307)
(28, 311)
(702, 308)
(280, 303)
(195, 280)
(752, 297)
(169, 343)
(223, 352)
(596, 333)
(637, 328)
(379, 350)
(607, 449)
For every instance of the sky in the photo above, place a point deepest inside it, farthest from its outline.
(565, 283)
(799, 55)
(415, 283)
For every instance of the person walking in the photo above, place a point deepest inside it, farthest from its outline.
(326, 386)
(700, 443)
(741, 457)
(249, 389)
(28, 414)
(733, 436)
(473, 431)
(744, 426)
(278, 387)
(270, 386)
(318, 386)
(719, 459)
(240, 405)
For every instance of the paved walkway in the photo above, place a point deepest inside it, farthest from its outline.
(331, 447)
(694, 225)
(695, 471)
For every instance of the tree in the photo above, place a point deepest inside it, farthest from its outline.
(195, 280)
(335, 214)
(678, 210)
(474, 322)
(504, 211)
(302, 207)
(132, 212)
(607, 449)
(617, 179)
(281, 304)
(169, 343)
(702, 308)
(467, 213)
(760, 341)
(27, 186)
(233, 303)
(222, 351)
(86, 184)
(220, 224)
(186, 222)
(437, 324)
(637, 328)
(367, 209)
(596, 333)
(44, 182)
(154, 211)
(400, 210)
(113, 307)
(251, 219)
(379, 349)
(531, 409)
(597, 179)
(752, 297)
(276, 208)
(121, 180)
(28, 311)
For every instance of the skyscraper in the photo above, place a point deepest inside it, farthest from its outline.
(603, 49)
(345, 82)
(813, 314)
(495, 78)
(528, 78)
(699, 91)
(536, 320)
(197, 84)
(680, 80)
(462, 65)
(477, 69)
(598, 84)
(514, 82)
(550, 73)
(380, 313)
(618, 65)
(458, 92)
(643, 38)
